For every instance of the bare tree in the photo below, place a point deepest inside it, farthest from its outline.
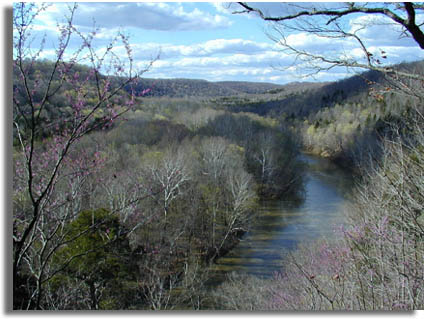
(168, 291)
(229, 196)
(264, 155)
(239, 185)
(213, 153)
(327, 21)
(167, 174)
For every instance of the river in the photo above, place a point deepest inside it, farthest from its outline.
(282, 225)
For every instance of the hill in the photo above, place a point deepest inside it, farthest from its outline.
(178, 88)
(183, 88)
(299, 99)
(251, 87)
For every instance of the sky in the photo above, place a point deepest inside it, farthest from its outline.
(205, 40)
(202, 40)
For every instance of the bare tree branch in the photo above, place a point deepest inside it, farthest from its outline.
(332, 29)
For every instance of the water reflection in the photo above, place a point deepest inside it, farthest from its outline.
(283, 224)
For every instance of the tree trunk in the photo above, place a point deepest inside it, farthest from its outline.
(93, 297)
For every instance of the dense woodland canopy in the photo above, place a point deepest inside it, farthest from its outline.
(124, 192)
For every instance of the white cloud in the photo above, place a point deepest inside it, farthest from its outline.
(221, 47)
(379, 30)
(309, 41)
(222, 58)
(150, 16)
(376, 33)
(265, 59)
(48, 54)
(213, 64)
(225, 7)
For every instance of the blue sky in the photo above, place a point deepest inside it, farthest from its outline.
(206, 41)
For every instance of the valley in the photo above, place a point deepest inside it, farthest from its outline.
(191, 180)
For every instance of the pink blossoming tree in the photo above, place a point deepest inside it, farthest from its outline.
(43, 165)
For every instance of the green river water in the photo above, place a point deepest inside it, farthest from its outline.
(282, 225)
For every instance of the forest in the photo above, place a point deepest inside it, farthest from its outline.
(127, 189)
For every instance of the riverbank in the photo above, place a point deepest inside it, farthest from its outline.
(283, 224)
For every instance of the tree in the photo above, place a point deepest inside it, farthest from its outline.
(40, 164)
(263, 154)
(97, 253)
(327, 21)
(377, 263)
(227, 193)
(242, 202)
(168, 174)
(214, 152)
